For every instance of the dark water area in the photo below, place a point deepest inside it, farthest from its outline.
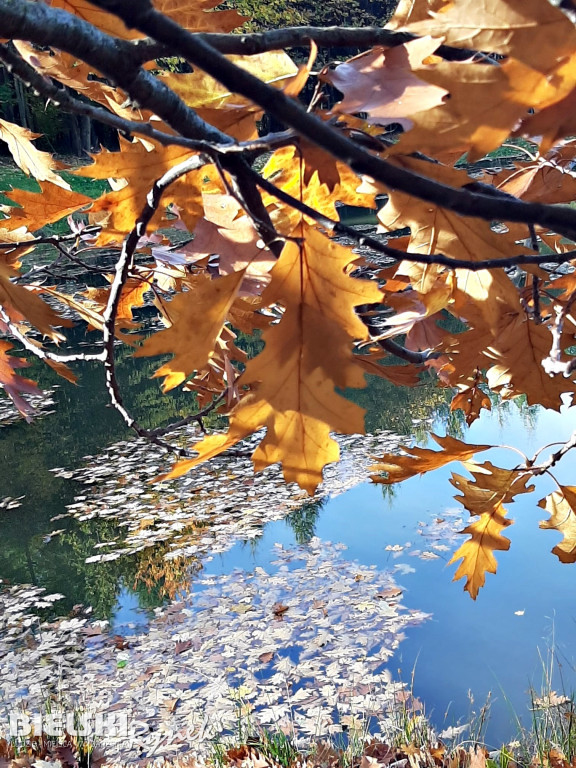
(500, 643)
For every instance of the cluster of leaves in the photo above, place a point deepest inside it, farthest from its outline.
(219, 247)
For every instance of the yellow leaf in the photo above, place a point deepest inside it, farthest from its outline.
(197, 317)
(198, 89)
(34, 163)
(490, 294)
(23, 304)
(307, 355)
(483, 108)
(561, 505)
(420, 460)
(516, 354)
(198, 16)
(477, 553)
(490, 484)
(105, 21)
(140, 167)
(414, 10)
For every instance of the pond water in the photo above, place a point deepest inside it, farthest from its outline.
(498, 643)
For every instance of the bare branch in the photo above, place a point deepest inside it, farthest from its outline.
(121, 275)
(416, 358)
(46, 88)
(39, 351)
(554, 458)
(249, 44)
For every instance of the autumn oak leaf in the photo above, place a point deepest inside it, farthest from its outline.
(307, 355)
(417, 461)
(196, 318)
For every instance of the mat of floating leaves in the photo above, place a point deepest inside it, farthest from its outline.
(297, 648)
(41, 404)
(209, 509)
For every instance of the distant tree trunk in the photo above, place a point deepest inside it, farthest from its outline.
(6, 81)
(25, 119)
(85, 134)
(75, 136)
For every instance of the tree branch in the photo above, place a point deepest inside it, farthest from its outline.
(121, 275)
(554, 458)
(60, 97)
(249, 44)
(40, 351)
(44, 25)
(142, 16)
(398, 255)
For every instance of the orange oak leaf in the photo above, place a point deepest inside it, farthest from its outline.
(105, 21)
(426, 334)
(417, 461)
(485, 496)
(199, 89)
(540, 182)
(488, 295)
(552, 123)
(140, 166)
(38, 209)
(485, 104)
(14, 385)
(489, 481)
(23, 304)
(226, 231)
(471, 400)
(287, 169)
(307, 355)
(383, 84)
(200, 16)
(196, 319)
(91, 303)
(219, 374)
(509, 28)
(561, 505)
(65, 68)
(516, 354)
(403, 375)
(197, 16)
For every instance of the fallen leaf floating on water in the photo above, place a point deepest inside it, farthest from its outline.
(238, 658)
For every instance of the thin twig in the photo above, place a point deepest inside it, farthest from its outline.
(554, 457)
(250, 44)
(40, 351)
(61, 98)
(398, 255)
(121, 275)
